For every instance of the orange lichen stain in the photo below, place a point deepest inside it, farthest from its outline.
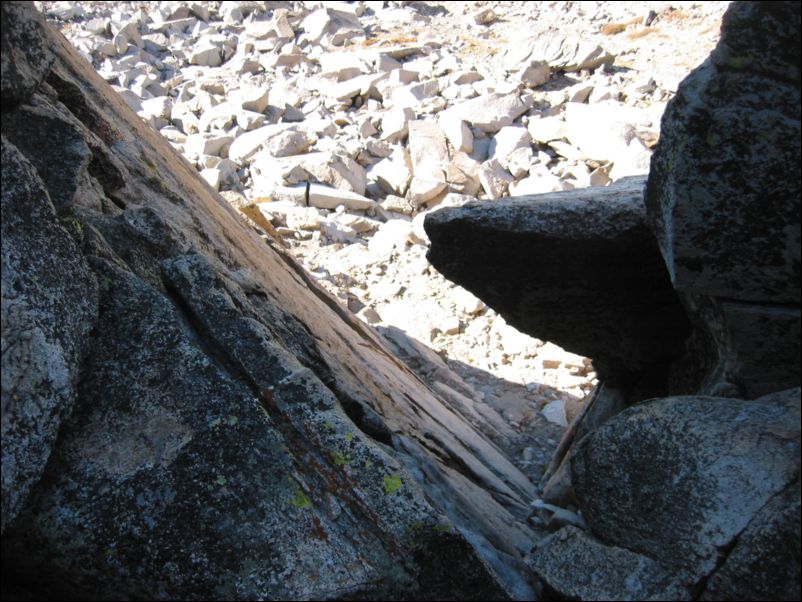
(477, 48)
(674, 15)
(389, 40)
(611, 29)
(641, 33)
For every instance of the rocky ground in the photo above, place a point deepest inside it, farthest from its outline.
(334, 127)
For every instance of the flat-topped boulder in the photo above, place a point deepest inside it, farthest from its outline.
(579, 268)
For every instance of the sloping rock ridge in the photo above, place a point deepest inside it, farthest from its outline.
(186, 414)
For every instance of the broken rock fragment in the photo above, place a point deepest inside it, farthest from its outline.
(490, 112)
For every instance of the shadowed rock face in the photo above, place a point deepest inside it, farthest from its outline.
(26, 55)
(579, 268)
(711, 450)
(685, 498)
(693, 496)
(724, 188)
(723, 198)
(186, 415)
(49, 302)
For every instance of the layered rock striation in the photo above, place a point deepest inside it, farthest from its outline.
(186, 414)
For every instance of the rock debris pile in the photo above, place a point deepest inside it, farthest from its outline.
(336, 127)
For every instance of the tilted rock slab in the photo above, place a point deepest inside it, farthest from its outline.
(226, 430)
(562, 51)
(579, 268)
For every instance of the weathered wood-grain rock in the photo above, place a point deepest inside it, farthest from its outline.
(226, 430)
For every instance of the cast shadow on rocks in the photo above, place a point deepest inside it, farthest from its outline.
(506, 412)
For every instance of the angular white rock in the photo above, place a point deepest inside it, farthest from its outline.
(538, 182)
(393, 173)
(251, 98)
(450, 325)
(246, 145)
(326, 197)
(484, 16)
(519, 161)
(535, 74)
(330, 25)
(212, 176)
(633, 161)
(402, 77)
(465, 301)
(394, 124)
(250, 120)
(423, 190)
(304, 218)
(428, 150)
(507, 140)
(198, 145)
(397, 204)
(362, 85)
(604, 129)
(554, 412)
(287, 143)
(337, 64)
(206, 56)
(579, 92)
(457, 132)
(546, 129)
(392, 235)
(562, 51)
(494, 178)
(218, 117)
(490, 112)
(412, 94)
(320, 196)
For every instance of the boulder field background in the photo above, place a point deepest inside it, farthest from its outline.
(188, 412)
